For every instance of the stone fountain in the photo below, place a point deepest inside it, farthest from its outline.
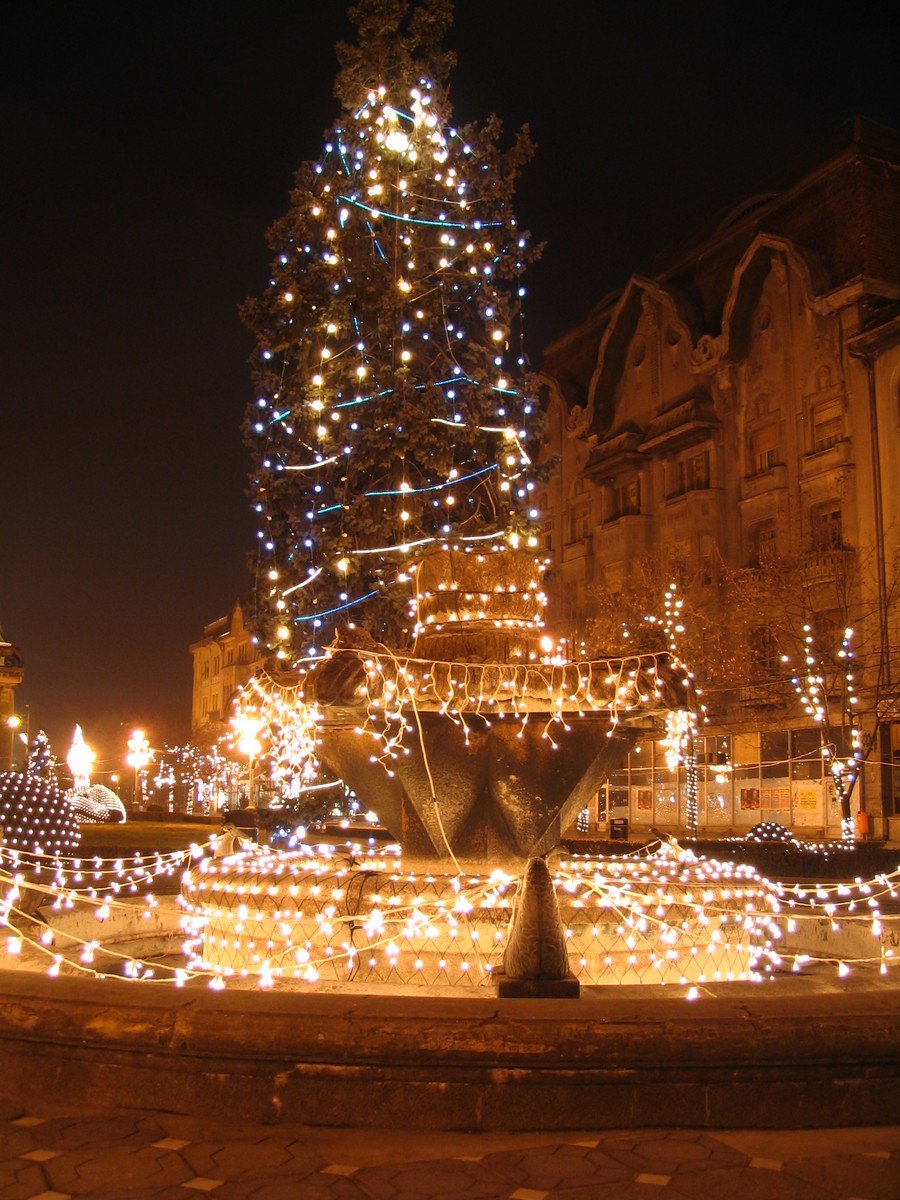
(476, 752)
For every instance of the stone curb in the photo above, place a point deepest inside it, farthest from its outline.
(469, 1063)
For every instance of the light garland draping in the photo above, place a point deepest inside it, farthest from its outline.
(324, 914)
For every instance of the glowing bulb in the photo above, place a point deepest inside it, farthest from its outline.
(397, 141)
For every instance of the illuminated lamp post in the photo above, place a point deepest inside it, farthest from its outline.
(80, 760)
(12, 724)
(139, 754)
(247, 729)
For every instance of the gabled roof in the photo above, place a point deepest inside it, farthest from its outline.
(836, 221)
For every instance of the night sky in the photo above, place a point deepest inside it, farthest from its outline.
(146, 148)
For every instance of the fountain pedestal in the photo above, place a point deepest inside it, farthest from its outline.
(502, 793)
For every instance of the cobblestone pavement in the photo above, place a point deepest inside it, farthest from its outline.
(53, 1155)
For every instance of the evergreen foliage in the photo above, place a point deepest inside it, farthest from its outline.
(392, 407)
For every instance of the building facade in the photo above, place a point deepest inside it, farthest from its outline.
(740, 408)
(224, 658)
(12, 673)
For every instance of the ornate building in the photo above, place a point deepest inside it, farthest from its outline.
(224, 659)
(738, 408)
(11, 675)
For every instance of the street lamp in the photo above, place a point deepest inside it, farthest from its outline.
(12, 723)
(139, 754)
(81, 760)
(247, 728)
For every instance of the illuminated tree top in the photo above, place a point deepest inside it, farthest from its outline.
(393, 409)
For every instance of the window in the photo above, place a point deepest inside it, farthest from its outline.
(763, 543)
(774, 755)
(764, 653)
(828, 424)
(825, 525)
(690, 474)
(764, 450)
(579, 518)
(216, 665)
(828, 627)
(698, 470)
(806, 753)
(229, 657)
(627, 498)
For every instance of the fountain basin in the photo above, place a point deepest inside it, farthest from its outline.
(627, 921)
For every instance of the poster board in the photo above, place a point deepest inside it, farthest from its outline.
(775, 803)
(808, 802)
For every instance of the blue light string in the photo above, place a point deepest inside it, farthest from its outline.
(435, 487)
(363, 399)
(340, 608)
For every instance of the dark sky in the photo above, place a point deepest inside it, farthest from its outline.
(145, 150)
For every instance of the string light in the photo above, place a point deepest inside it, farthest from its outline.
(816, 696)
(355, 913)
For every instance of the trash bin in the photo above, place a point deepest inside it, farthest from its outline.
(618, 829)
(861, 825)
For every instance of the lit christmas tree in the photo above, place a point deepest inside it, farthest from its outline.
(392, 408)
(42, 762)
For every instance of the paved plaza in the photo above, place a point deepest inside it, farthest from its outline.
(49, 1154)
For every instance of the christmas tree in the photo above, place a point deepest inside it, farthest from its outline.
(392, 408)
(41, 761)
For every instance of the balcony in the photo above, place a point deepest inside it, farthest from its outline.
(764, 483)
(623, 536)
(687, 489)
(577, 548)
(752, 577)
(826, 460)
(697, 504)
(827, 565)
(691, 421)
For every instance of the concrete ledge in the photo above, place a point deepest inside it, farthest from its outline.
(757, 1060)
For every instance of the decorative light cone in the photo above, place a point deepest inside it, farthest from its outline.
(487, 606)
